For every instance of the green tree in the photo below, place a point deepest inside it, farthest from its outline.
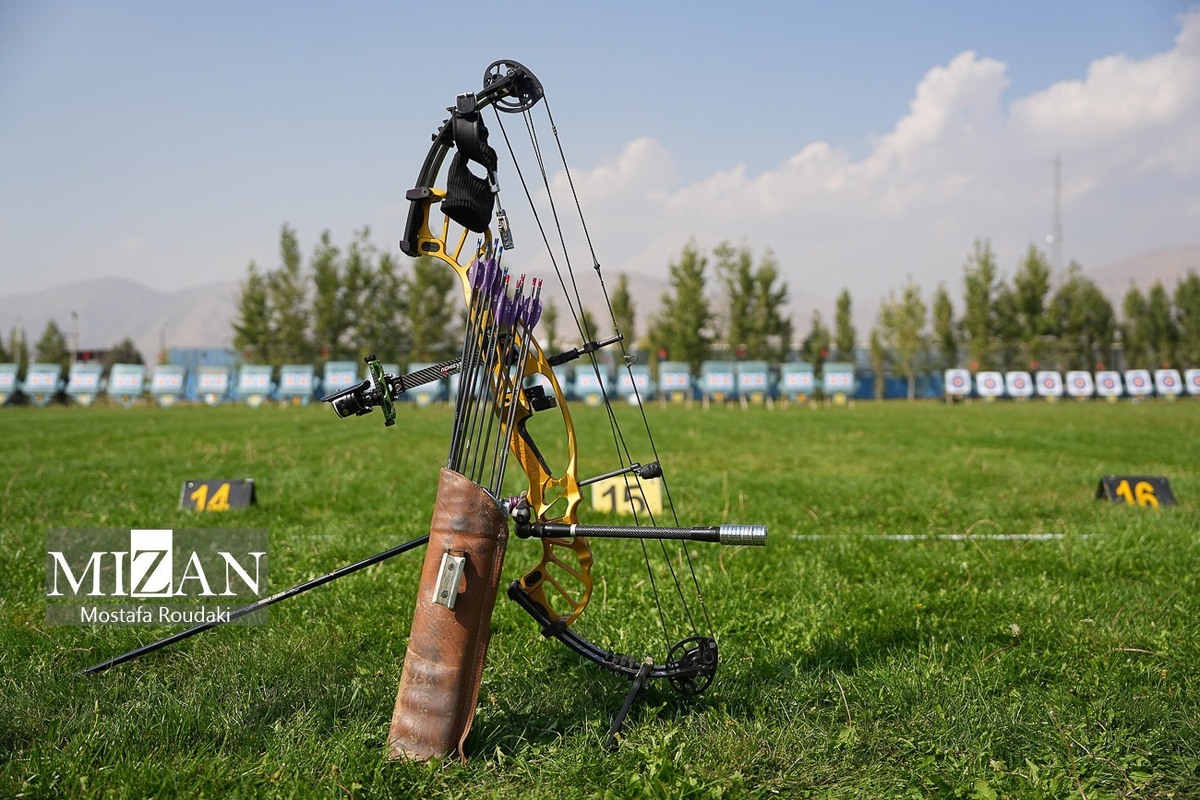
(815, 347)
(755, 323)
(1007, 330)
(18, 345)
(1082, 319)
(1135, 329)
(5, 355)
(51, 348)
(943, 328)
(902, 326)
(330, 314)
(878, 362)
(843, 325)
(1031, 289)
(624, 313)
(978, 321)
(288, 299)
(252, 327)
(381, 321)
(360, 281)
(429, 313)
(588, 325)
(1187, 319)
(549, 326)
(735, 270)
(123, 352)
(1163, 336)
(682, 326)
(771, 326)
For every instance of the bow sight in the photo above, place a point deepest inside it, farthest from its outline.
(382, 389)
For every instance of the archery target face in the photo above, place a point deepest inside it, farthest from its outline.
(989, 384)
(1108, 384)
(1137, 381)
(1167, 382)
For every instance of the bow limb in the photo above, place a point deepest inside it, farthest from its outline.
(560, 584)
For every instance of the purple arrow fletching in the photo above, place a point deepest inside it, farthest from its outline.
(535, 305)
(522, 312)
(508, 313)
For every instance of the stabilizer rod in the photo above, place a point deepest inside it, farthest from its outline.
(721, 534)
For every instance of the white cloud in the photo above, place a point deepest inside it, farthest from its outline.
(962, 163)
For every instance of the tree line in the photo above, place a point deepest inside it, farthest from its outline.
(53, 347)
(1029, 322)
(722, 303)
(728, 303)
(345, 302)
(1033, 322)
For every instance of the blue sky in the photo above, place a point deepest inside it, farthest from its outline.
(861, 142)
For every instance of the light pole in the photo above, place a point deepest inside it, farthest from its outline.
(74, 336)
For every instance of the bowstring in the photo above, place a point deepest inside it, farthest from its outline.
(575, 306)
(628, 365)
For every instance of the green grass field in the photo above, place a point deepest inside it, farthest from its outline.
(854, 663)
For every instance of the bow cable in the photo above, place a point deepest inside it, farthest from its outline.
(575, 305)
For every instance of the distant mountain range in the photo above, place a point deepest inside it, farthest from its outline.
(106, 310)
(103, 311)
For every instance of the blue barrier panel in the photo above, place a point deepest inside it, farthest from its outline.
(42, 383)
(126, 383)
(254, 384)
(926, 385)
(674, 381)
(8, 382)
(797, 381)
(193, 358)
(85, 382)
(168, 383)
(718, 381)
(297, 383)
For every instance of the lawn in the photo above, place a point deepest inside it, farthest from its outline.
(943, 609)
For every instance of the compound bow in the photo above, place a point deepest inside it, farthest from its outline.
(503, 369)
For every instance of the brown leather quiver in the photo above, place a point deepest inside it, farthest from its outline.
(439, 685)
